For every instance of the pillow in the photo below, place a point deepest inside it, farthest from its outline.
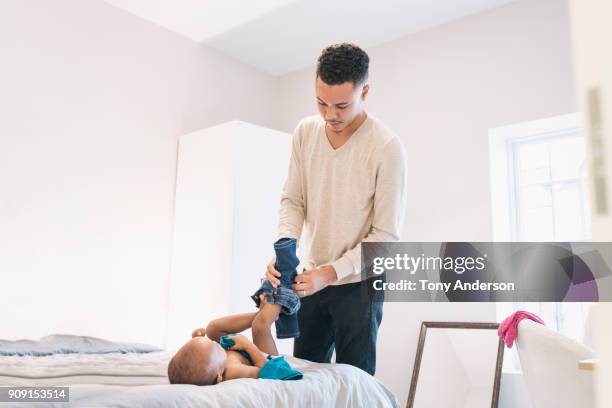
(67, 344)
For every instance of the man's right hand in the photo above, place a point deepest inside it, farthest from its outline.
(272, 274)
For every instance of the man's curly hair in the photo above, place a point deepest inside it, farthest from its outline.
(340, 63)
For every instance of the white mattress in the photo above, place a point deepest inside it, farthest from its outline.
(139, 380)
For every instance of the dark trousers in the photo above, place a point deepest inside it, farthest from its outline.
(339, 317)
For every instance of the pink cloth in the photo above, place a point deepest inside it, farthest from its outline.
(509, 327)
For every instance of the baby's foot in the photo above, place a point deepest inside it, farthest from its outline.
(262, 301)
(199, 332)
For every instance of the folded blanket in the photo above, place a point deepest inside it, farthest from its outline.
(67, 344)
(509, 327)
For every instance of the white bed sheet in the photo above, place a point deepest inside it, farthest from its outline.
(139, 380)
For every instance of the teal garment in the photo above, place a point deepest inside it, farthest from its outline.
(227, 342)
(278, 369)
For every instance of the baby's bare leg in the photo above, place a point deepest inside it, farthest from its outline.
(262, 337)
(229, 324)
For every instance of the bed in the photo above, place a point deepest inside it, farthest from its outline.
(139, 380)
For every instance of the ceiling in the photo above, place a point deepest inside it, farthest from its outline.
(281, 36)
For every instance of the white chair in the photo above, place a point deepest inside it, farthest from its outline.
(550, 368)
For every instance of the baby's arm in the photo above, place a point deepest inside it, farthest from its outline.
(229, 324)
(226, 325)
(233, 371)
(242, 343)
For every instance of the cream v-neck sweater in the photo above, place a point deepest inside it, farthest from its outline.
(346, 196)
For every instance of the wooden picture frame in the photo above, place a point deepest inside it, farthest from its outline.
(456, 325)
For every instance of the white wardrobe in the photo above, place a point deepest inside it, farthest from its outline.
(229, 181)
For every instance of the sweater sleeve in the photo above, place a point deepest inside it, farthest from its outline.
(389, 207)
(292, 208)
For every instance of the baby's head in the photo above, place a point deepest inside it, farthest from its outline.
(200, 361)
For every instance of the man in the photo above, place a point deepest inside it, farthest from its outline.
(346, 184)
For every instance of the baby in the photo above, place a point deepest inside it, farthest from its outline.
(215, 354)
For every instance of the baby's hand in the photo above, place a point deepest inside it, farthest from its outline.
(240, 342)
(199, 332)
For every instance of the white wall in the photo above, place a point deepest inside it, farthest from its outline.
(441, 90)
(593, 60)
(92, 101)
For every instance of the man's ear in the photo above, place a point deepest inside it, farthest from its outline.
(364, 91)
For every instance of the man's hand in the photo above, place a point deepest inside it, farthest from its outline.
(199, 332)
(272, 274)
(313, 280)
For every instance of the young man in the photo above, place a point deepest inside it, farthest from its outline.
(346, 184)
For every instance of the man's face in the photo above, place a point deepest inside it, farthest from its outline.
(340, 104)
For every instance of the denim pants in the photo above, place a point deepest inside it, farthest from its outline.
(340, 317)
(286, 263)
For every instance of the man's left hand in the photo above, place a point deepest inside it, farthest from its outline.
(313, 280)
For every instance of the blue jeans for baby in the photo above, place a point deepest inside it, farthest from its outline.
(286, 263)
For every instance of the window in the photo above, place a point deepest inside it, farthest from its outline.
(549, 178)
(539, 193)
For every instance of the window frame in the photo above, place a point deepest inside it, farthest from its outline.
(503, 165)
